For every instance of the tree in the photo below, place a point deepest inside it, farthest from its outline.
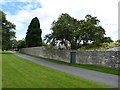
(21, 44)
(108, 39)
(49, 38)
(14, 44)
(33, 35)
(64, 31)
(6, 30)
(70, 31)
(91, 31)
(118, 41)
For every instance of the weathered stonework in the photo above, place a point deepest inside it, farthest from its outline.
(100, 58)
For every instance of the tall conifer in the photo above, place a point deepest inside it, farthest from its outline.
(33, 35)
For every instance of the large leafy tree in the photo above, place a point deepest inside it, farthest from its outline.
(33, 35)
(64, 31)
(6, 31)
(91, 31)
(70, 31)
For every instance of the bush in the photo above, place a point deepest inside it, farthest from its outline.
(44, 44)
(21, 44)
(118, 41)
(102, 46)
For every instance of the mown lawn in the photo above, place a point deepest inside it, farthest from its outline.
(85, 66)
(22, 73)
(0, 70)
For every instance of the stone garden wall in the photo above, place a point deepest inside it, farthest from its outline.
(100, 58)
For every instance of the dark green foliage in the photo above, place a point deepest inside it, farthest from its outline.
(21, 44)
(64, 31)
(118, 41)
(14, 44)
(6, 30)
(49, 38)
(33, 35)
(44, 44)
(108, 40)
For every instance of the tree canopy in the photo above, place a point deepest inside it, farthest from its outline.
(6, 31)
(33, 35)
(69, 31)
(118, 40)
(21, 44)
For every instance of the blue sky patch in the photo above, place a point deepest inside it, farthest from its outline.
(13, 7)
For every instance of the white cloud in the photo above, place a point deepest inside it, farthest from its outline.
(24, 0)
(20, 16)
(27, 7)
(105, 10)
(111, 31)
(19, 26)
(19, 37)
(2, 1)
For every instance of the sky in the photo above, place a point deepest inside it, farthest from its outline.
(21, 12)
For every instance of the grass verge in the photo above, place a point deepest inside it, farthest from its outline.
(85, 66)
(0, 71)
(22, 73)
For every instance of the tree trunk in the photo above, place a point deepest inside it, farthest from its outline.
(73, 46)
